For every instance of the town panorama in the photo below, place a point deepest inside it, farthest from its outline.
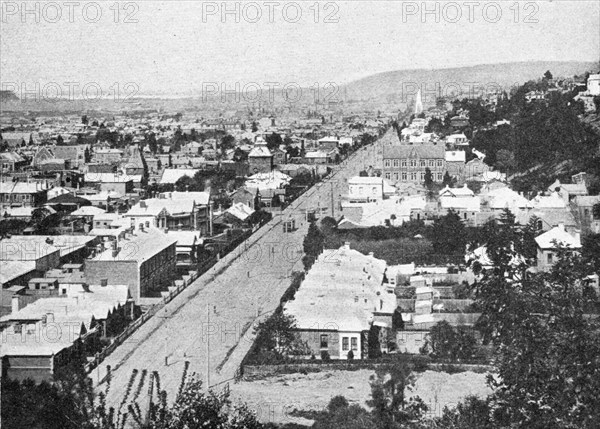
(293, 214)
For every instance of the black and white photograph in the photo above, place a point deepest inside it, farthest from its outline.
(354, 214)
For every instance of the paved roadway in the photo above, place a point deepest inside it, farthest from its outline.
(214, 316)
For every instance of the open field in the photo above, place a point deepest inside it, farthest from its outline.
(281, 395)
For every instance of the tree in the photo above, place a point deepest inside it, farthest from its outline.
(313, 242)
(546, 346)
(429, 178)
(274, 140)
(447, 180)
(505, 160)
(227, 143)
(388, 395)
(548, 75)
(277, 336)
(444, 341)
(84, 120)
(449, 234)
(254, 127)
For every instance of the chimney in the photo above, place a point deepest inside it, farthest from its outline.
(561, 226)
(50, 317)
(143, 204)
(15, 304)
(148, 224)
(347, 245)
(103, 282)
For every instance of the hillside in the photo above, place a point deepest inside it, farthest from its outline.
(392, 84)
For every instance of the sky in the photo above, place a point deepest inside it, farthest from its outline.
(184, 47)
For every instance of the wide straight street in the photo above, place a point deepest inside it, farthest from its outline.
(210, 324)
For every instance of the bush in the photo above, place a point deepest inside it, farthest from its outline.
(325, 356)
(350, 355)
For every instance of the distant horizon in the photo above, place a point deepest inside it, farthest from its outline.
(174, 47)
(166, 94)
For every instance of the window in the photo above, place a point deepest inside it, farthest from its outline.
(413, 162)
(324, 341)
(423, 163)
(388, 176)
(550, 257)
(440, 177)
(395, 176)
(354, 343)
(404, 163)
(431, 163)
(345, 344)
(404, 176)
(396, 163)
(422, 176)
(413, 176)
(439, 163)
(387, 163)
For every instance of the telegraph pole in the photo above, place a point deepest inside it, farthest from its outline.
(207, 346)
(332, 207)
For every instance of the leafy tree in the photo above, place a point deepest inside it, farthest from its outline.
(429, 178)
(444, 341)
(447, 180)
(471, 413)
(548, 75)
(313, 242)
(546, 346)
(254, 127)
(274, 140)
(388, 395)
(276, 336)
(448, 235)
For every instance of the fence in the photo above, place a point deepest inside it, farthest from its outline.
(250, 372)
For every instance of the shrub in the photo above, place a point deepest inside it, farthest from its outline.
(350, 355)
(325, 356)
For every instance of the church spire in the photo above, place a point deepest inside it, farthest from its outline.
(418, 104)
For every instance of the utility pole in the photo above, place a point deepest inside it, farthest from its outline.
(207, 346)
(332, 207)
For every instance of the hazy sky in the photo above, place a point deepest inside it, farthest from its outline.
(178, 46)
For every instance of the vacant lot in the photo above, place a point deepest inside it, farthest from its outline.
(275, 398)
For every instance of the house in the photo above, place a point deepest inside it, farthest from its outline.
(328, 144)
(260, 158)
(11, 162)
(236, 216)
(593, 84)
(172, 175)
(74, 154)
(188, 243)
(112, 182)
(342, 299)
(16, 194)
(145, 260)
(365, 189)
(455, 164)
(244, 196)
(408, 163)
(320, 157)
(475, 168)
(175, 210)
(547, 244)
(569, 191)
(43, 336)
(108, 156)
(588, 219)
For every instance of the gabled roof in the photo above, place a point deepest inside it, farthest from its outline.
(414, 151)
(561, 236)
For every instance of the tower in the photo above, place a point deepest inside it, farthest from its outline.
(418, 104)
